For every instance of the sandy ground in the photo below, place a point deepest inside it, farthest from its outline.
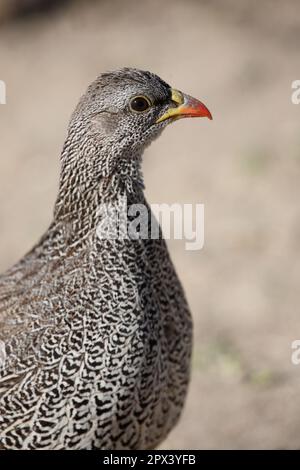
(243, 287)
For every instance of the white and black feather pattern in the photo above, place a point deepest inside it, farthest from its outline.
(95, 335)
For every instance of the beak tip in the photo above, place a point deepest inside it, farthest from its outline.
(198, 109)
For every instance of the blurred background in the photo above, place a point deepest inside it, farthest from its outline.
(239, 58)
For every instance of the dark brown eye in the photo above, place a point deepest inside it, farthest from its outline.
(140, 104)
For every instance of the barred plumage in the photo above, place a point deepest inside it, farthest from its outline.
(95, 334)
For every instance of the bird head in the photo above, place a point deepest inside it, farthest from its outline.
(131, 106)
(124, 111)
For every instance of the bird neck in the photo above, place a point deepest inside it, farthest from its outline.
(93, 175)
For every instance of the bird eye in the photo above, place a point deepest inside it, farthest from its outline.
(140, 104)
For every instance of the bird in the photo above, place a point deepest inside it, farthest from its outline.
(95, 332)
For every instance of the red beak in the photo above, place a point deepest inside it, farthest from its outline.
(187, 106)
(193, 108)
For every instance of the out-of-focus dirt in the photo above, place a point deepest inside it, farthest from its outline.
(239, 58)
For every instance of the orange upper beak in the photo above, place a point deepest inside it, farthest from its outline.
(187, 106)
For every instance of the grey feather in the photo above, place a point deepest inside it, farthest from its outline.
(95, 335)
